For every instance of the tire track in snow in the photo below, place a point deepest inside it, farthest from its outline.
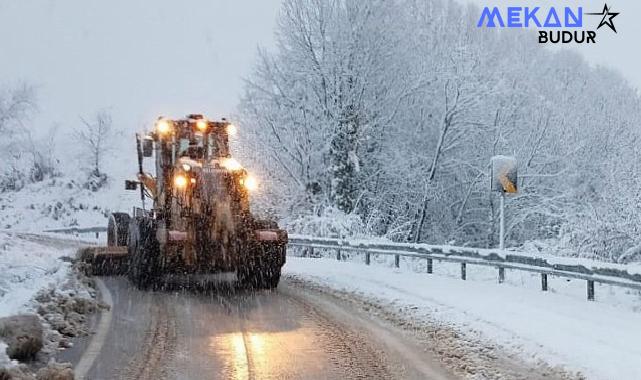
(158, 345)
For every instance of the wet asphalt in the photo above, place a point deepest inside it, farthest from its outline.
(226, 333)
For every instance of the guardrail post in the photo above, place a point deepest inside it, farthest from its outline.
(305, 246)
(97, 235)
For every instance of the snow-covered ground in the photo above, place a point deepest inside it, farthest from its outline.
(600, 339)
(36, 277)
(63, 202)
(29, 264)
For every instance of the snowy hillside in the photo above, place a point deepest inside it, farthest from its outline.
(62, 202)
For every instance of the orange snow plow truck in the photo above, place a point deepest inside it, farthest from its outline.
(199, 221)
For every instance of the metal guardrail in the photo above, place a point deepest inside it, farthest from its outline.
(465, 256)
(79, 230)
(461, 255)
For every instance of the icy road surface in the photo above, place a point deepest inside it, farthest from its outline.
(235, 334)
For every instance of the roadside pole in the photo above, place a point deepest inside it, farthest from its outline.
(504, 179)
(502, 222)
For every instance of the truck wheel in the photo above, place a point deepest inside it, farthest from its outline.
(276, 255)
(118, 229)
(267, 277)
(144, 253)
(271, 279)
(251, 275)
(246, 277)
(261, 275)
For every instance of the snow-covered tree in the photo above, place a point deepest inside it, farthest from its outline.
(16, 107)
(94, 137)
(390, 111)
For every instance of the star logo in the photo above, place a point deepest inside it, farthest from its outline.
(607, 17)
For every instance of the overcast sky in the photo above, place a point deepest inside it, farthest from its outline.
(139, 58)
(142, 59)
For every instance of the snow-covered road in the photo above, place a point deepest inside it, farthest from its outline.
(600, 339)
(225, 333)
(477, 328)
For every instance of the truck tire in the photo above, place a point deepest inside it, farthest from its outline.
(263, 272)
(271, 279)
(265, 278)
(144, 253)
(118, 229)
(272, 267)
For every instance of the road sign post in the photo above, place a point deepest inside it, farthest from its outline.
(504, 180)
(502, 222)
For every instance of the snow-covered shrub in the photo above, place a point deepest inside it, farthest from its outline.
(12, 180)
(330, 222)
(95, 182)
(31, 166)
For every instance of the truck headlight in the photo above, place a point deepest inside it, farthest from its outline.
(163, 126)
(180, 181)
(201, 124)
(250, 183)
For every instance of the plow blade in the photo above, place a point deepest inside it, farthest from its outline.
(104, 261)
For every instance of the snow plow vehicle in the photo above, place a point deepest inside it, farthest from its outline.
(200, 221)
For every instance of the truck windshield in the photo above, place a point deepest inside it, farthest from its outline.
(192, 148)
(195, 148)
(218, 145)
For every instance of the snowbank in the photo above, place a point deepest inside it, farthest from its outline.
(36, 277)
(5, 361)
(601, 339)
(27, 265)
